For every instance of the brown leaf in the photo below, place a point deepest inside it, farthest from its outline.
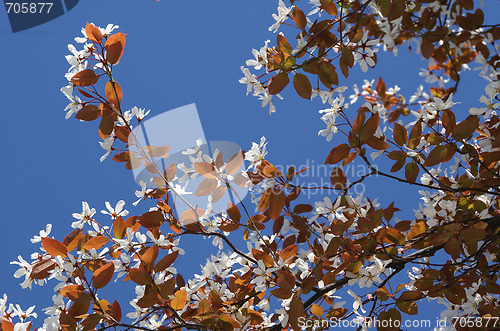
(338, 154)
(278, 83)
(140, 276)
(338, 178)
(369, 128)
(437, 155)
(93, 33)
(276, 203)
(114, 47)
(166, 261)
(328, 75)
(465, 128)
(88, 113)
(289, 252)
(106, 127)
(400, 134)
(296, 311)
(151, 219)
(377, 143)
(103, 275)
(299, 17)
(411, 172)
(85, 77)
(96, 242)
(54, 247)
(347, 56)
(114, 93)
(233, 212)
(42, 268)
(302, 86)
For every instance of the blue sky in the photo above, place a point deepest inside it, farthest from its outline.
(177, 53)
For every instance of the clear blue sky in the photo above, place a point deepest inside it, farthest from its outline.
(177, 53)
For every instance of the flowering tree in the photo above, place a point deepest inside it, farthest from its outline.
(294, 254)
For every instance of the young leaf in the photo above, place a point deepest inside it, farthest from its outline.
(180, 299)
(103, 275)
(93, 33)
(54, 247)
(278, 83)
(85, 77)
(114, 47)
(338, 154)
(302, 86)
(400, 134)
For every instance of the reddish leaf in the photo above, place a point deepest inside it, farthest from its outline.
(88, 113)
(114, 47)
(85, 77)
(7, 325)
(302, 86)
(170, 172)
(276, 203)
(103, 275)
(369, 128)
(302, 208)
(338, 154)
(278, 83)
(72, 239)
(188, 217)
(338, 178)
(93, 33)
(329, 6)
(448, 120)
(96, 242)
(114, 93)
(358, 122)
(289, 252)
(54, 247)
(233, 212)
(377, 143)
(400, 134)
(166, 261)
(42, 268)
(465, 128)
(66, 322)
(151, 219)
(140, 276)
(106, 127)
(299, 17)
